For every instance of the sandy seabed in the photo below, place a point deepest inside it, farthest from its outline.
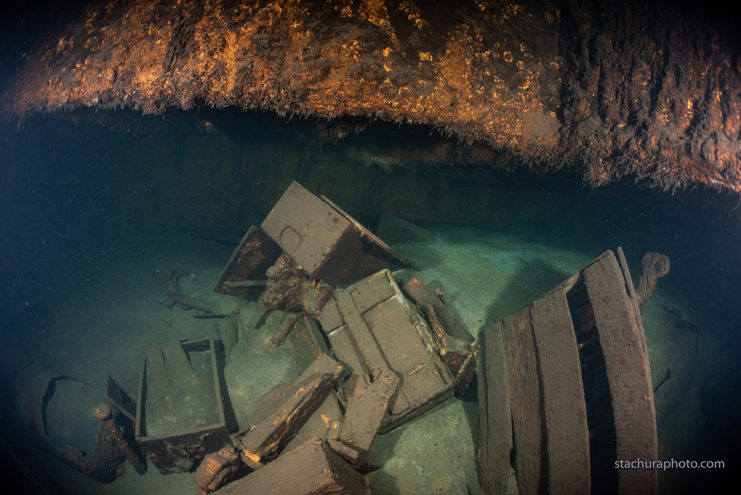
(105, 314)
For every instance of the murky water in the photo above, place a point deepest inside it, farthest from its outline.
(99, 210)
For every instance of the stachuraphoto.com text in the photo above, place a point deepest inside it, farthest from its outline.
(668, 464)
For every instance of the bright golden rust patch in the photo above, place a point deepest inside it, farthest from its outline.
(251, 456)
(326, 420)
(413, 14)
(495, 77)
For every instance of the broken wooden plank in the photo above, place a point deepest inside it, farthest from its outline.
(365, 341)
(567, 434)
(628, 373)
(526, 401)
(179, 372)
(158, 382)
(495, 416)
(279, 337)
(423, 296)
(324, 423)
(220, 468)
(632, 293)
(310, 469)
(265, 440)
(367, 294)
(364, 414)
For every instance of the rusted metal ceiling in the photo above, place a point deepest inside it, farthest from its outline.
(617, 89)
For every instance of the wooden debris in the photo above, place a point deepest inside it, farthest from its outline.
(466, 373)
(310, 469)
(622, 341)
(370, 325)
(495, 413)
(103, 463)
(423, 296)
(130, 449)
(255, 253)
(308, 339)
(325, 422)
(219, 468)
(364, 415)
(373, 357)
(565, 415)
(653, 267)
(572, 371)
(458, 354)
(265, 440)
(527, 410)
(175, 298)
(180, 408)
(177, 366)
(373, 245)
(289, 288)
(279, 337)
(323, 242)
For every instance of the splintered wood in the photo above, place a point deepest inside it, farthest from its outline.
(364, 415)
(310, 469)
(532, 393)
(425, 297)
(265, 440)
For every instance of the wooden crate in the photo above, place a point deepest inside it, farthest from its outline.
(325, 241)
(371, 326)
(180, 408)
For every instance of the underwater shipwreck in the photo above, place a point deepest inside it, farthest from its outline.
(370, 247)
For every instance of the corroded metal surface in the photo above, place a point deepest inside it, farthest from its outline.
(639, 89)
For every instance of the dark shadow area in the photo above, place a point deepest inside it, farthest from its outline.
(533, 280)
(230, 417)
(471, 408)
(383, 484)
(22, 467)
